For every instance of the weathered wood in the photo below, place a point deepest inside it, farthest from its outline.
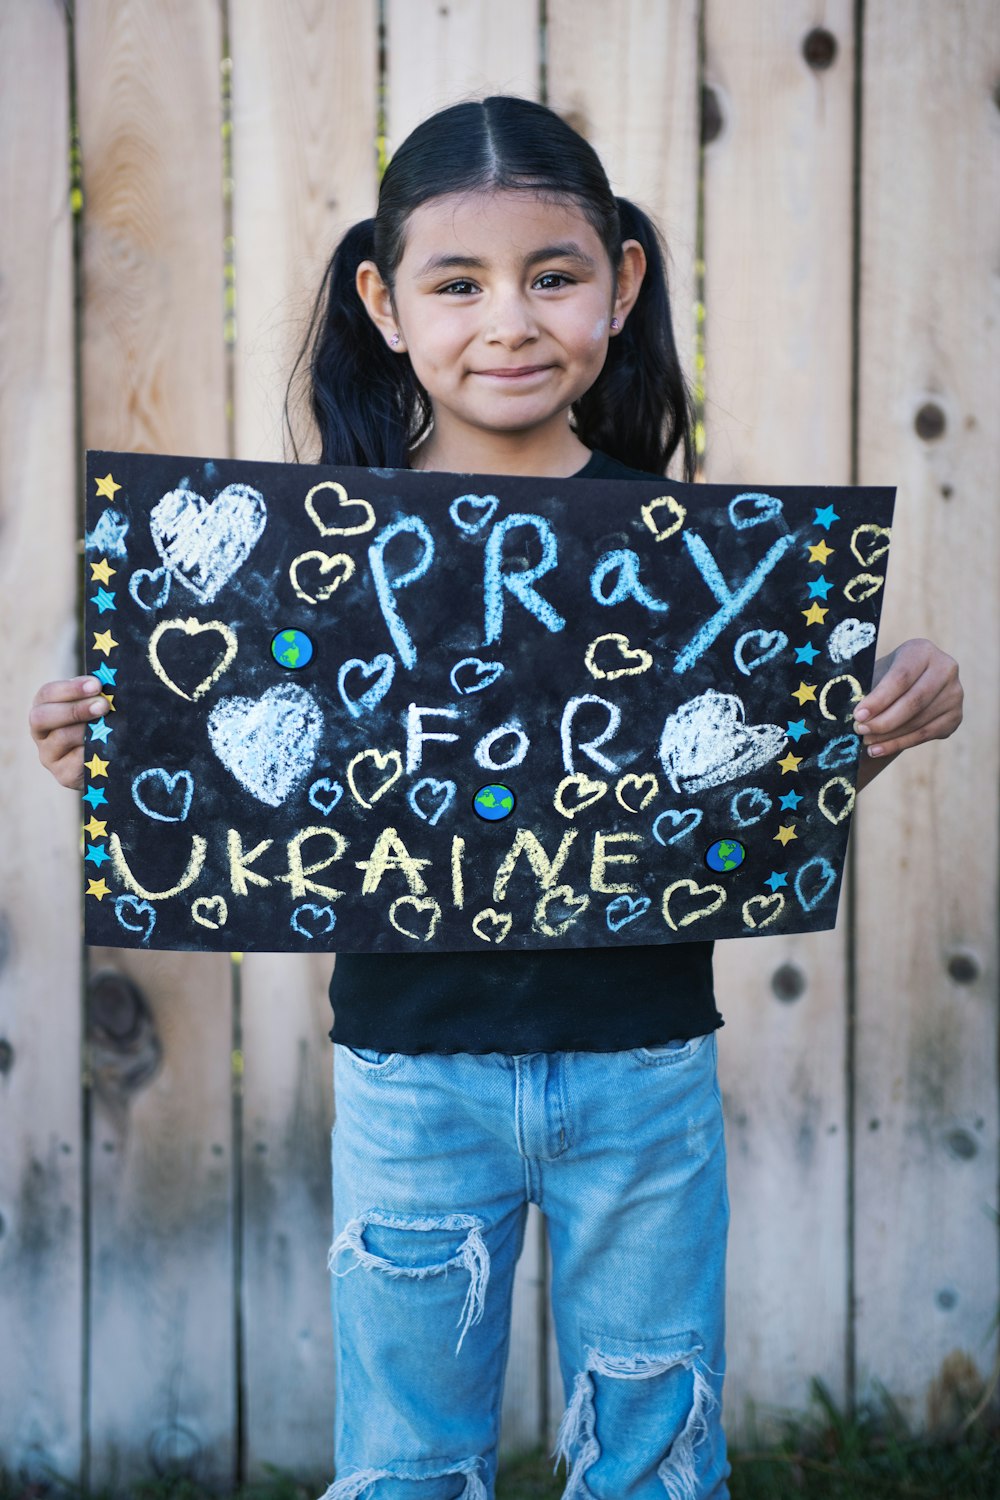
(437, 55)
(161, 1360)
(927, 837)
(777, 195)
(41, 1260)
(305, 82)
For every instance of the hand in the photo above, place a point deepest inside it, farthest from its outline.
(60, 712)
(916, 696)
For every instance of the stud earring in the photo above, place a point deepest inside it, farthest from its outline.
(394, 340)
(614, 322)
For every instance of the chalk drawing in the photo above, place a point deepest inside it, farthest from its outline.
(416, 737)
(324, 795)
(457, 873)
(485, 757)
(520, 584)
(203, 543)
(470, 675)
(313, 921)
(870, 542)
(645, 786)
(366, 522)
(634, 659)
(589, 747)
(672, 507)
(848, 637)
(627, 585)
(568, 906)
(731, 601)
(199, 848)
(576, 793)
(492, 925)
(683, 821)
(761, 911)
(191, 626)
(210, 911)
(144, 911)
(387, 760)
(836, 785)
(471, 513)
(756, 647)
(545, 870)
(430, 799)
(861, 587)
(749, 805)
(164, 789)
(381, 668)
(161, 577)
(625, 909)
(856, 694)
(706, 742)
(386, 587)
(715, 893)
(753, 509)
(839, 752)
(813, 881)
(269, 743)
(417, 906)
(337, 567)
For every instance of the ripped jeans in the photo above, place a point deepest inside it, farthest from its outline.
(435, 1159)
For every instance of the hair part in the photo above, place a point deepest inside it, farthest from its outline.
(368, 405)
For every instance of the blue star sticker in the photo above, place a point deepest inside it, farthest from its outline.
(106, 674)
(97, 854)
(819, 588)
(776, 881)
(790, 801)
(826, 517)
(95, 796)
(103, 600)
(807, 654)
(100, 729)
(796, 729)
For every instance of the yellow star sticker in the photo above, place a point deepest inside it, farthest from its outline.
(98, 888)
(96, 766)
(104, 641)
(814, 615)
(102, 572)
(790, 763)
(783, 835)
(110, 697)
(820, 552)
(95, 829)
(805, 692)
(107, 487)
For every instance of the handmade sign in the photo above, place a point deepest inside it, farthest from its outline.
(373, 710)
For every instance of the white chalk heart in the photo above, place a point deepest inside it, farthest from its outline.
(203, 543)
(706, 742)
(381, 668)
(267, 743)
(848, 637)
(470, 675)
(137, 587)
(430, 799)
(471, 513)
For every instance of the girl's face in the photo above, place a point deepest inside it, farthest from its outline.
(503, 303)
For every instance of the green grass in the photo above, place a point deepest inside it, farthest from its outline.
(825, 1455)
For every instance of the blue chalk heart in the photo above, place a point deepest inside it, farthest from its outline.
(132, 906)
(381, 667)
(625, 909)
(749, 805)
(761, 508)
(150, 575)
(325, 804)
(437, 797)
(309, 909)
(471, 513)
(169, 784)
(813, 868)
(684, 820)
(756, 647)
(483, 674)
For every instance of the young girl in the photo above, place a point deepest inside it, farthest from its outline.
(505, 313)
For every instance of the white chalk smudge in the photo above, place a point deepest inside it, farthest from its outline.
(108, 536)
(268, 743)
(707, 742)
(849, 637)
(204, 543)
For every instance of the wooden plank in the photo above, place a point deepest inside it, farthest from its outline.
(632, 90)
(41, 1243)
(162, 1366)
(927, 1288)
(438, 55)
(305, 93)
(777, 196)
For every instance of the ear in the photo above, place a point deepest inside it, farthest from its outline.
(630, 275)
(378, 303)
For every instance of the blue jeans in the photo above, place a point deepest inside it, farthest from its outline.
(435, 1159)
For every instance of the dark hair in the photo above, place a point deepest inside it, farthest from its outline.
(368, 404)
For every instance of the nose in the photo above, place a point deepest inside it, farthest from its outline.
(511, 320)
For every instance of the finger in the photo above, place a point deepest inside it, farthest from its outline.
(46, 716)
(66, 689)
(68, 770)
(939, 728)
(60, 742)
(906, 702)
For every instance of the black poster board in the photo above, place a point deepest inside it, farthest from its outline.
(381, 710)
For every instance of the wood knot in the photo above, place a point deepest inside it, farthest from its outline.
(125, 1050)
(788, 982)
(930, 422)
(711, 115)
(820, 49)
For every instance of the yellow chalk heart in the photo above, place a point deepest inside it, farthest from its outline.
(694, 891)
(866, 544)
(673, 508)
(343, 503)
(647, 786)
(572, 904)
(210, 911)
(500, 922)
(862, 586)
(339, 564)
(582, 789)
(855, 694)
(191, 627)
(637, 660)
(416, 904)
(835, 814)
(773, 906)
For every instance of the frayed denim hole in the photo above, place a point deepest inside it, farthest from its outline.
(362, 1483)
(671, 1053)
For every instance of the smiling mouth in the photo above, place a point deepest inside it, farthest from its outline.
(520, 374)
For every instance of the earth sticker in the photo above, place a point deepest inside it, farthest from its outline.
(725, 854)
(494, 802)
(292, 649)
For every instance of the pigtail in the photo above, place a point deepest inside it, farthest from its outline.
(639, 410)
(367, 404)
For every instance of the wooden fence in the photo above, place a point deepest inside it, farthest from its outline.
(164, 1183)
